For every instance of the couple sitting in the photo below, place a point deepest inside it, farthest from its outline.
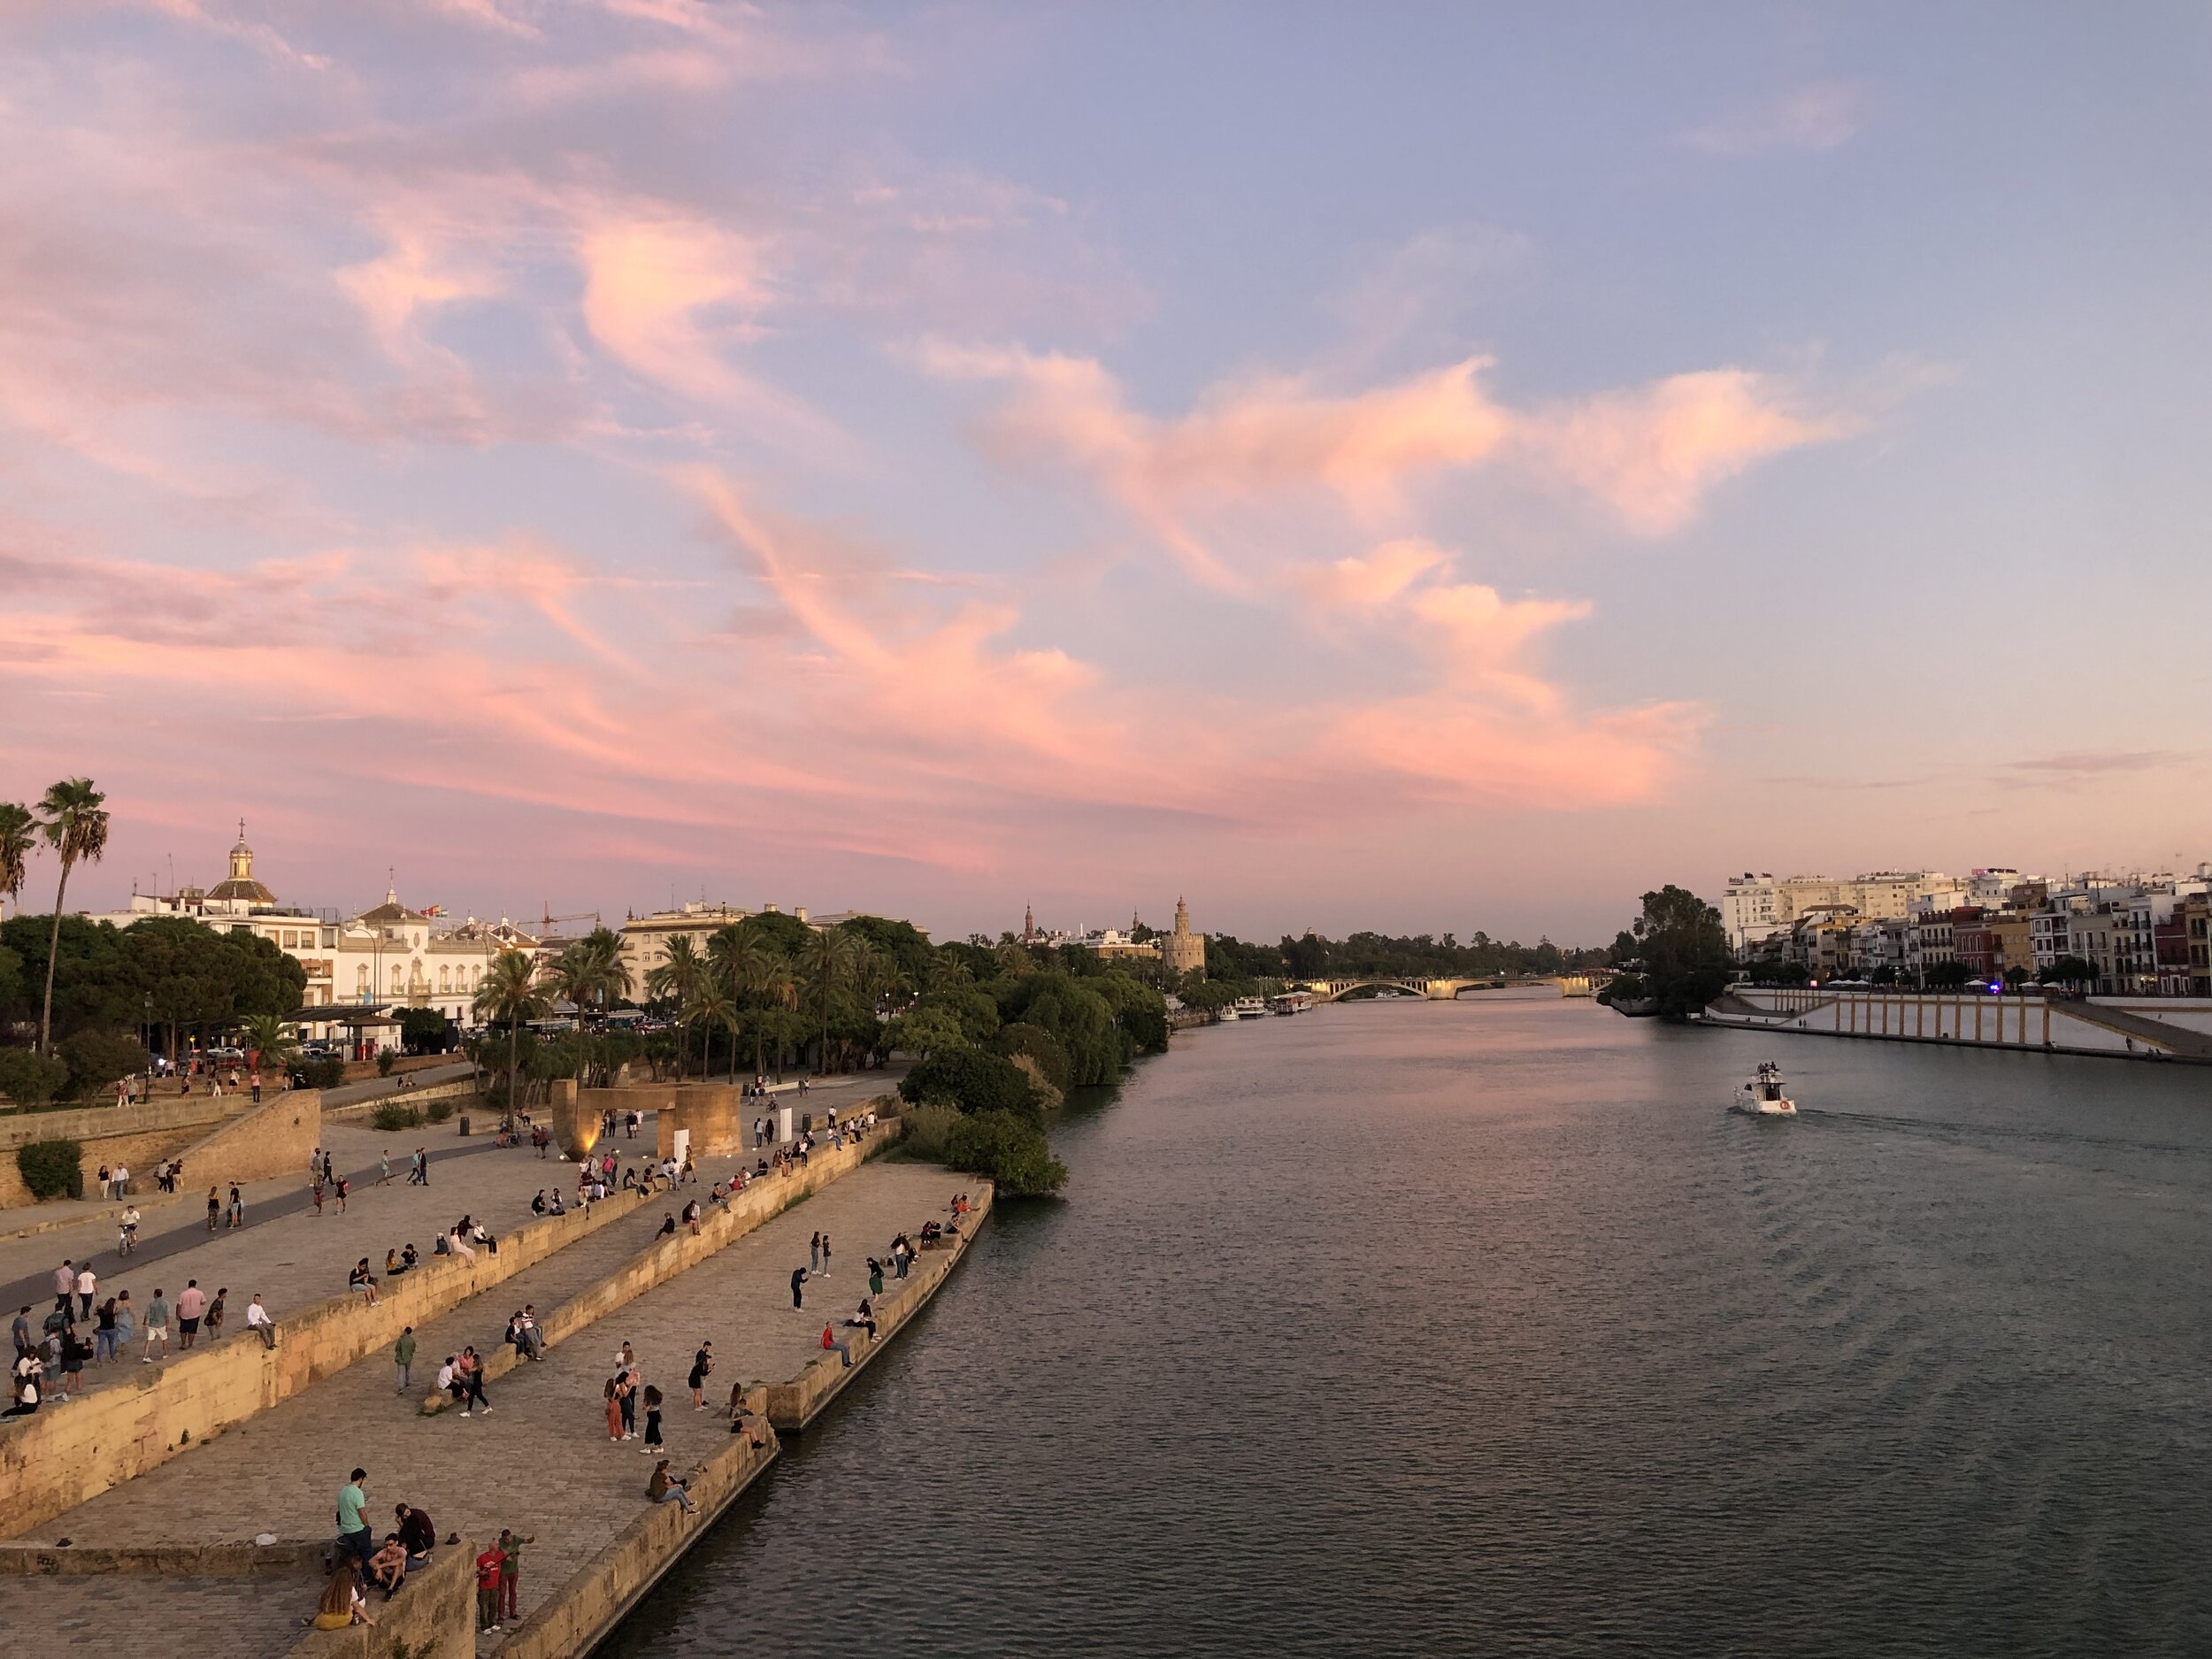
(524, 1336)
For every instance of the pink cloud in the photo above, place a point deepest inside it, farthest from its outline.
(1819, 116)
(1654, 453)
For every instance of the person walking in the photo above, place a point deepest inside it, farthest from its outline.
(103, 1334)
(156, 1327)
(87, 1286)
(317, 1189)
(341, 1187)
(214, 1209)
(191, 1307)
(384, 1168)
(701, 1365)
(403, 1355)
(213, 1323)
(470, 1372)
(65, 1278)
(237, 1207)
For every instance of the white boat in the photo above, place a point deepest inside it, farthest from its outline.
(1763, 1096)
(1245, 1007)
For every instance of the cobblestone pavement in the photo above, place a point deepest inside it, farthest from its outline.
(541, 1462)
(119, 1612)
(298, 1258)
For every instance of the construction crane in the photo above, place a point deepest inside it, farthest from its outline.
(550, 920)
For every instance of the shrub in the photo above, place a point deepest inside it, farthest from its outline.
(1011, 1150)
(975, 1081)
(384, 1061)
(326, 1072)
(438, 1111)
(927, 1130)
(1040, 1045)
(95, 1059)
(28, 1079)
(392, 1116)
(52, 1169)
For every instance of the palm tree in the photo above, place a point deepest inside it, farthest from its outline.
(679, 977)
(711, 1006)
(510, 992)
(74, 822)
(19, 837)
(590, 973)
(273, 1040)
(757, 976)
(826, 961)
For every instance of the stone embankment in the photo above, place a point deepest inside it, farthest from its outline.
(2139, 1028)
(60, 1458)
(248, 1139)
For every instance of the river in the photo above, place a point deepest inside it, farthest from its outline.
(1482, 1328)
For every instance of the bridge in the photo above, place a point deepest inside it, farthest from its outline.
(1440, 990)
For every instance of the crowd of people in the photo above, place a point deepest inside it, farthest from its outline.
(82, 1330)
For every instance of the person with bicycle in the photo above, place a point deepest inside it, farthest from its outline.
(127, 1231)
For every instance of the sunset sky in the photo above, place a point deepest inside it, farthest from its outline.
(1421, 468)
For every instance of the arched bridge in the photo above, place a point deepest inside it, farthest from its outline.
(1439, 990)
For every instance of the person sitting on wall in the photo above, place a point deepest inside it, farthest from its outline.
(864, 1319)
(668, 1227)
(691, 1216)
(361, 1279)
(417, 1535)
(558, 1208)
(408, 1259)
(388, 1565)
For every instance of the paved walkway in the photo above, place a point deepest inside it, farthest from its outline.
(287, 1253)
(145, 1612)
(541, 1462)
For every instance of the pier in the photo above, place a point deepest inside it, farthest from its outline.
(2106, 1027)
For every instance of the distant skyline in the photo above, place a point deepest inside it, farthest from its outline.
(1423, 469)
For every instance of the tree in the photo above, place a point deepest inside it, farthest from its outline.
(274, 1043)
(19, 837)
(2070, 971)
(755, 974)
(510, 992)
(827, 962)
(1010, 1149)
(679, 978)
(591, 974)
(1684, 951)
(713, 1006)
(74, 822)
(973, 1080)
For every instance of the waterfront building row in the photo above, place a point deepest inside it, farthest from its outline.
(2140, 936)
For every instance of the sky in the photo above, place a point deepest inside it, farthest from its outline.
(1422, 468)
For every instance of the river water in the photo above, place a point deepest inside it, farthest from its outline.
(1482, 1328)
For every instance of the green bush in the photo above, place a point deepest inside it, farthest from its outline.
(975, 1081)
(438, 1111)
(1049, 1052)
(52, 1169)
(326, 1072)
(95, 1059)
(392, 1116)
(384, 1063)
(1011, 1150)
(28, 1079)
(928, 1128)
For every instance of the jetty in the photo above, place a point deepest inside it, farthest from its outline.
(2103, 1027)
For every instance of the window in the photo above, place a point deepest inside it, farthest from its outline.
(361, 978)
(397, 980)
(445, 978)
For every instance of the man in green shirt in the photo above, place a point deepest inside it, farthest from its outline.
(353, 1526)
(403, 1355)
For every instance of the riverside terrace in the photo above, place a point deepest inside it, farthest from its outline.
(541, 1462)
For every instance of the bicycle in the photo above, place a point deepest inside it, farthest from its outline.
(126, 1240)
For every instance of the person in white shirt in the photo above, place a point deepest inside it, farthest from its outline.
(258, 1321)
(87, 1286)
(122, 1180)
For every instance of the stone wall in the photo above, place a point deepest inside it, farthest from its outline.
(462, 1092)
(594, 1601)
(663, 1259)
(792, 1405)
(57, 1459)
(274, 1139)
(137, 1136)
(433, 1617)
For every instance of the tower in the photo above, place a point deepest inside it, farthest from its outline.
(1184, 951)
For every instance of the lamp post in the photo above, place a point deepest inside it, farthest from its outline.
(146, 1041)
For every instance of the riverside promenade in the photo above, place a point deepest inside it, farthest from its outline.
(541, 1462)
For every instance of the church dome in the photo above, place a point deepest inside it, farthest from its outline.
(241, 886)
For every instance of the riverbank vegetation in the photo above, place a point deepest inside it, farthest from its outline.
(1675, 955)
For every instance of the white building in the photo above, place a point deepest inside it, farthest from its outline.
(1757, 907)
